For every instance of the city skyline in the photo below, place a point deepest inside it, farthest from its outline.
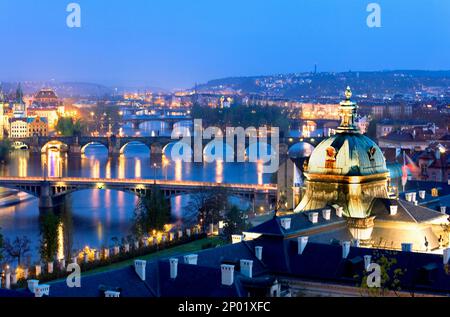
(175, 45)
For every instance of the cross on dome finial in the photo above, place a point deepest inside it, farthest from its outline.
(348, 93)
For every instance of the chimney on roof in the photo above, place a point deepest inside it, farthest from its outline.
(407, 247)
(286, 223)
(191, 259)
(32, 285)
(367, 261)
(345, 249)
(112, 294)
(302, 242)
(313, 217)
(446, 255)
(339, 211)
(258, 252)
(227, 271)
(247, 268)
(173, 267)
(236, 238)
(422, 194)
(443, 210)
(41, 290)
(414, 196)
(393, 210)
(139, 267)
(8, 279)
(408, 197)
(326, 214)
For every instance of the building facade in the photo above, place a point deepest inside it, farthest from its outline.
(18, 128)
(37, 126)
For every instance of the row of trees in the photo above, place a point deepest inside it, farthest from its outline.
(151, 213)
(213, 206)
(242, 116)
(68, 126)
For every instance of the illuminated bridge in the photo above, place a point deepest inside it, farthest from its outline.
(136, 120)
(51, 190)
(117, 145)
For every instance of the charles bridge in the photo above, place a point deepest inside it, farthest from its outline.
(116, 145)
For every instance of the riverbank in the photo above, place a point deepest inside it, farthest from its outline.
(193, 246)
(197, 245)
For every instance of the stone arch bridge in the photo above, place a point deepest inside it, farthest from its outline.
(116, 145)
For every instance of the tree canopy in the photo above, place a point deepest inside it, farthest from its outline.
(152, 212)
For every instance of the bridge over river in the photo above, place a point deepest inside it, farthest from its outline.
(51, 190)
(156, 144)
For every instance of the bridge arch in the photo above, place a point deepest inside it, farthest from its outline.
(178, 148)
(300, 150)
(20, 145)
(185, 123)
(134, 143)
(163, 125)
(85, 146)
(54, 144)
(218, 148)
(256, 150)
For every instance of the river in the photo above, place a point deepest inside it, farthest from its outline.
(96, 216)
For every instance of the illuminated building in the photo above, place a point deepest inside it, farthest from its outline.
(346, 174)
(37, 126)
(51, 114)
(3, 105)
(18, 128)
(311, 111)
(46, 98)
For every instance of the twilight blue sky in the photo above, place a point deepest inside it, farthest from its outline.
(175, 43)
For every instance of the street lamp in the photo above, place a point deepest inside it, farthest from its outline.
(154, 172)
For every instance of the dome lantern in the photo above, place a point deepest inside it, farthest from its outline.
(347, 112)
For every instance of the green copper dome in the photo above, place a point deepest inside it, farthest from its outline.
(348, 153)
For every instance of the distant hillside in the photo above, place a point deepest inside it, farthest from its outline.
(75, 89)
(64, 89)
(331, 84)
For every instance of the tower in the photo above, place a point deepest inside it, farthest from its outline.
(19, 107)
(347, 169)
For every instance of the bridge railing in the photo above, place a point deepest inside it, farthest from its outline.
(135, 181)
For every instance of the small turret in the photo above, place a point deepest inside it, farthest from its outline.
(347, 112)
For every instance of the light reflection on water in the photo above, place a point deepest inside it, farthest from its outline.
(99, 215)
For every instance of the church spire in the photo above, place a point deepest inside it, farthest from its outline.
(19, 94)
(347, 112)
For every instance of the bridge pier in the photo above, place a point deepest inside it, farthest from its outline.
(156, 152)
(75, 149)
(45, 196)
(34, 149)
(113, 150)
